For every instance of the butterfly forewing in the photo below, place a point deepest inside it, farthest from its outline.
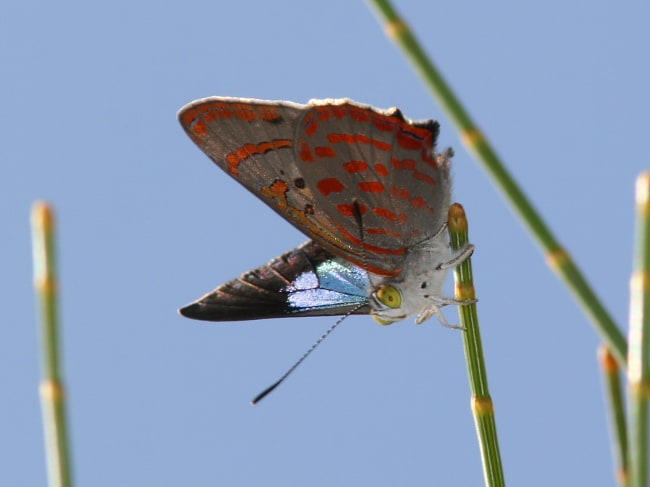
(311, 163)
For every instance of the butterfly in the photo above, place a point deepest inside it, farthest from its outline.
(364, 184)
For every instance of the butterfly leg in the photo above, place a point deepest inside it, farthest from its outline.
(461, 256)
(434, 309)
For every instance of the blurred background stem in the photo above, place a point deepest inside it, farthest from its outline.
(52, 390)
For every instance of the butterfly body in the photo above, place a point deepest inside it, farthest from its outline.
(364, 184)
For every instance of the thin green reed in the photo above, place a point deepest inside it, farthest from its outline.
(639, 340)
(482, 405)
(557, 257)
(52, 390)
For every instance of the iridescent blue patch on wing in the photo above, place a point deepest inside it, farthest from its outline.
(332, 284)
(306, 281)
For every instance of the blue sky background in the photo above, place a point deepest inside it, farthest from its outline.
(147, 223)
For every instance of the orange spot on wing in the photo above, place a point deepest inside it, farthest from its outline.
(385, 213)
(236, 157)
(414, 138)
(347, 209)
(341, 138)
(376, 250)
(355, 166)
(335, 138)
(359, 114)
(328, 186)
(199, 128)
(279, 187)
(383, 231)
(306, 154)
(311, 125)
(401, 193)
(338, 111)
(408, 164)
(418, 202)
(270, 113)
(244, 112)
(385, 124)
(324, 151)
(381, 169)
(371, 186)
(428, 157)
(420, 176)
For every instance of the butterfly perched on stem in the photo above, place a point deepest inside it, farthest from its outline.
(365, 185)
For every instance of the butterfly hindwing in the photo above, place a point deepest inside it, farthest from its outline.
(306, 281)
(377, 163)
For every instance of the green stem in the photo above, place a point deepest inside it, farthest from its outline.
(558, 258)
(482, 405)
(52, 390)
(639, 339)
(614, 394)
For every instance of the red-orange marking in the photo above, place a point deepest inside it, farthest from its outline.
(305, 153)
(418, 202)
(410, 164)
(269, 113)
(401, 193)
(383, 231)
(330, 185)
(402, 218)
(188, 117)
(323, 115)
(427, 156)
(279, 187)
(218, 109)
(385, 124)
(324, 151)
(358, 138)
(347, 209)
(385, 213)
(339, 111)
(374, 248)
(409, 140)
(310, 123)
(235, 158)
(359, 114)
(403, 164)
(355, 166)
(244, 112)
(381, 169)
(214, 111)
(420, 176)
(199, 128)
(212, 116)
(371, 186)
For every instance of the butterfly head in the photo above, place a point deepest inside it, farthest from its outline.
(418, 290)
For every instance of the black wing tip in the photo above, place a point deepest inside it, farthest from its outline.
(194, 311)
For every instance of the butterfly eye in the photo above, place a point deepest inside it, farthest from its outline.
(389, 296)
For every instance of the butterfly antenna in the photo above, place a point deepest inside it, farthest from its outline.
(273, 386)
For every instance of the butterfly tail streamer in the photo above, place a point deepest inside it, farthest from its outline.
(557, 257)
(482, 405)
